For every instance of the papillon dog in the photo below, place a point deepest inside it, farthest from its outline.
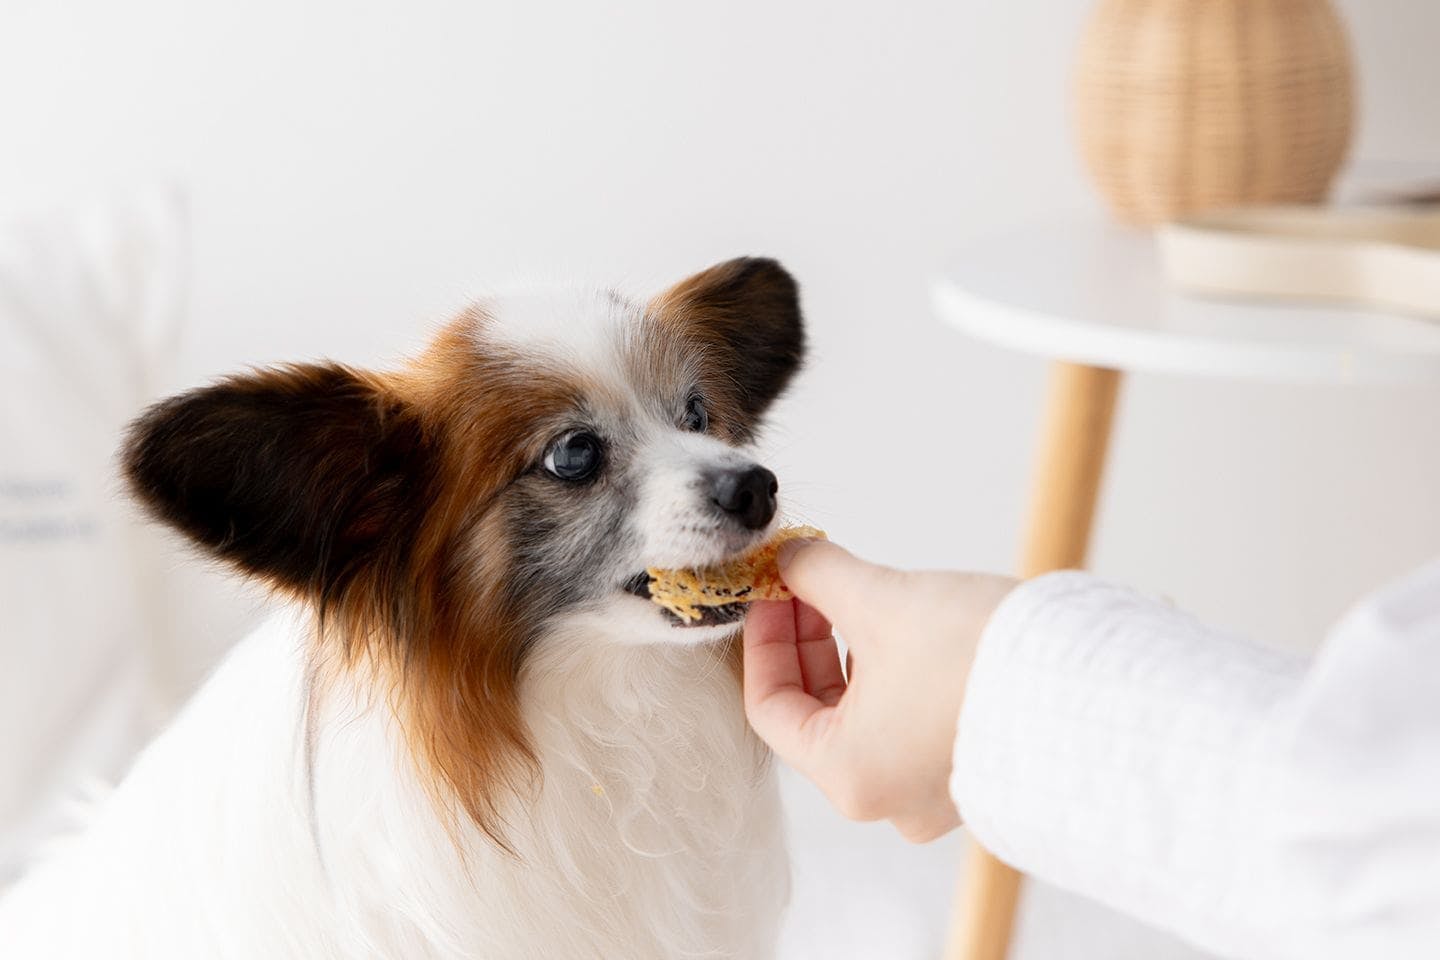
(465, 735)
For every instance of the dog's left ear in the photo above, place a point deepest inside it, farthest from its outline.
(746, 312)
(309, 476)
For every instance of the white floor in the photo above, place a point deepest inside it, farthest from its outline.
(861, 893)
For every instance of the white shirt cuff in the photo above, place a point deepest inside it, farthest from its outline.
(1113, 745)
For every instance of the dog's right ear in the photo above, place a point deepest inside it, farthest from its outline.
(305, 475)
(746, 312)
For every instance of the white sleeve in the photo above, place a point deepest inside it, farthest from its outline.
(1256, 805)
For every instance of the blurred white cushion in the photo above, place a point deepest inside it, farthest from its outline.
(90, 309)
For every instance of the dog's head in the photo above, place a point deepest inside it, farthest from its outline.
(523, 472)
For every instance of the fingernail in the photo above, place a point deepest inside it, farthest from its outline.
(788, 549)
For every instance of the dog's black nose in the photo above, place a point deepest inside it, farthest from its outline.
(747, 494)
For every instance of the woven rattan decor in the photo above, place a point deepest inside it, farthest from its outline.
(1190, 105)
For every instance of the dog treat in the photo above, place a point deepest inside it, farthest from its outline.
(750, 576)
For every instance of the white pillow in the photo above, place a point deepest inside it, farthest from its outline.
(90, 309)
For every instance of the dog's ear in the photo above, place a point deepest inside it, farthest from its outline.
(304, 475)
(746, 313)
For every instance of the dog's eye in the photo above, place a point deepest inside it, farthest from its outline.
(575, 456)
(696, 418)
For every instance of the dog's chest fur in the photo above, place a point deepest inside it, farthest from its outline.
(654, 832)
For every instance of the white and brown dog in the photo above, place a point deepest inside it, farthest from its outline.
(466, 737)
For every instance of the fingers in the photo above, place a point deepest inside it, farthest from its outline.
(780, 709)
(831, 579)
(928, 825)
(819, 655)
(810, 623)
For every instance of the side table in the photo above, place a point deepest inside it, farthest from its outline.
(1090, 297)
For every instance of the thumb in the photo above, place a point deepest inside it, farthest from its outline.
(831, 579)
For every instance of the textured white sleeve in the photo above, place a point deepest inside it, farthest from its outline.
(1253, 804)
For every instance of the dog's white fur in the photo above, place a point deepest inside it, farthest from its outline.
(657, 815)
(283, 819)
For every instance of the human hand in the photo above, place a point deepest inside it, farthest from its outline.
(879, 745)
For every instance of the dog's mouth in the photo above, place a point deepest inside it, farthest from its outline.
(639, 586)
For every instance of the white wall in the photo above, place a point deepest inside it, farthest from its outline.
(357, 170)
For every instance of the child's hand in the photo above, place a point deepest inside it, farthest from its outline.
(880, 746)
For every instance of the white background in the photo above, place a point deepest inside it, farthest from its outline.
(356, 171)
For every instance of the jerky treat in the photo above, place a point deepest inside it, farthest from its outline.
(750, 576)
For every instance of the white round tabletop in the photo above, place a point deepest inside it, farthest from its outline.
(1093, 293)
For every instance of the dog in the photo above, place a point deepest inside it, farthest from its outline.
(465, 734)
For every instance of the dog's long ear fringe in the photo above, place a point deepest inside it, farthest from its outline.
(306, 476)
(330, 486)
(746, 314)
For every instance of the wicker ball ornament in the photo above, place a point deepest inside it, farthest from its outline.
(1192, 105)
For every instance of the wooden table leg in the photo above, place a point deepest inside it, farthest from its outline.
(1076, 434)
